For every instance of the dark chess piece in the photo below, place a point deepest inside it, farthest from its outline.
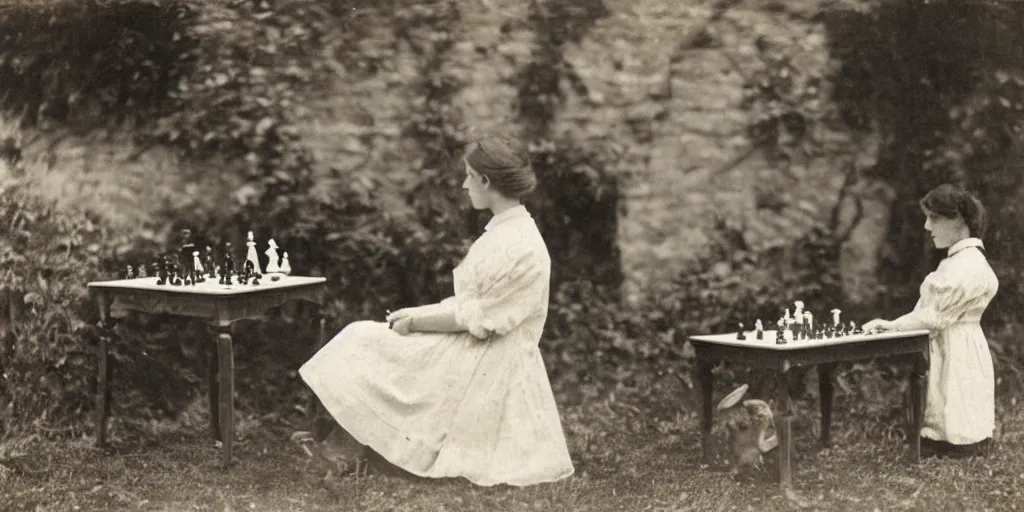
(210, 263)
(243, 276)
(739, 333)
(129, 273)
(228, 266)
(160, 269)
(175, 271)
(188, 271)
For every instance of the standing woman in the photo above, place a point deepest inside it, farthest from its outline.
(959, 416)
(458, 388)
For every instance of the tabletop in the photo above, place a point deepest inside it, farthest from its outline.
(208, 287)
(768, 343)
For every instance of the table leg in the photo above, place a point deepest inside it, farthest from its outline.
(784, 428)
(918, 396)
(323, 423)
(226, 392)
(705, 381)
(213, 389)
(825, 392)
(105, 370)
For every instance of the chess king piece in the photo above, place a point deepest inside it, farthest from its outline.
(286, 267)
(272, 258)
(188, 271)
(750, 426)
(808, 331)
(197, 266)
(250, 253)
(759, 329)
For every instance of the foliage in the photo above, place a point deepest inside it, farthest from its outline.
(46, 256)
(81, 61)
(939, 83)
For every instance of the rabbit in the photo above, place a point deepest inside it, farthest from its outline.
(748, 423)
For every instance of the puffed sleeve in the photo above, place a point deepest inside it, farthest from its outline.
(510, 287)
(945, 296)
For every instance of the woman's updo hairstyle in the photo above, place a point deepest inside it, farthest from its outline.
(506, 163)
(950, 201)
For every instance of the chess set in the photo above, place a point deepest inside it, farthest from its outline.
(800, 326)
(185, 267)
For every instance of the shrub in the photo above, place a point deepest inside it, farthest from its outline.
(46, 258)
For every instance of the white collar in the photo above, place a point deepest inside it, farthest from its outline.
(512, 213)
(965, 243)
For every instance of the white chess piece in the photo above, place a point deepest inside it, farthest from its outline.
(286, 268)
(200, 271)
(250, 254)
(272, 258)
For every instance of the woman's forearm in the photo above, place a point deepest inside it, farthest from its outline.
(437, 320)
(909, 322)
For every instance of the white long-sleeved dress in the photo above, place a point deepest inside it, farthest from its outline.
(477, 405)
(961, 383)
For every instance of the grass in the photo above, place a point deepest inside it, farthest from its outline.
(626, 459)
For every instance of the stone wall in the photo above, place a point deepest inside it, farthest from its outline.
(662, 86)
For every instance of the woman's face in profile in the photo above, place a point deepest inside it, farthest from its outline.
(943, 230)
(475, 186)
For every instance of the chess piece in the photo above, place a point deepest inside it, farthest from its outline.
(286, 268)
(739, 333)
(227, 267)
(142, 271)
(173, 271)
(129, 273)
(808, 330)
(188, 271)
(853, 328)
(250, 253)
(160, 269)
(211, 264)
(272, 258)
(759, 329)
(197, 266)
(243, 276)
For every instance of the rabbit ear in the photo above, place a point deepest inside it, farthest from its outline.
(732, 398)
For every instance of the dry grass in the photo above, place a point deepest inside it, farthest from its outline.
(639, 465)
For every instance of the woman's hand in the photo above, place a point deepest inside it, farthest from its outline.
(401, 325)
(877, 325)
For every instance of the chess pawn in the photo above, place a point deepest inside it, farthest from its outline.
(142, 271)
(739, 332)
(286, 267)
(129, 273)
(250, 253)
(272, 257)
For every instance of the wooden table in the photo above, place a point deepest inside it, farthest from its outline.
(825, 354)
(221, 306)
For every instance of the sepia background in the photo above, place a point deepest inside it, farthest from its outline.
(701, 164)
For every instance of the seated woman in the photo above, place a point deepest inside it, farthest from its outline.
(458, 388)
(959, 416)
